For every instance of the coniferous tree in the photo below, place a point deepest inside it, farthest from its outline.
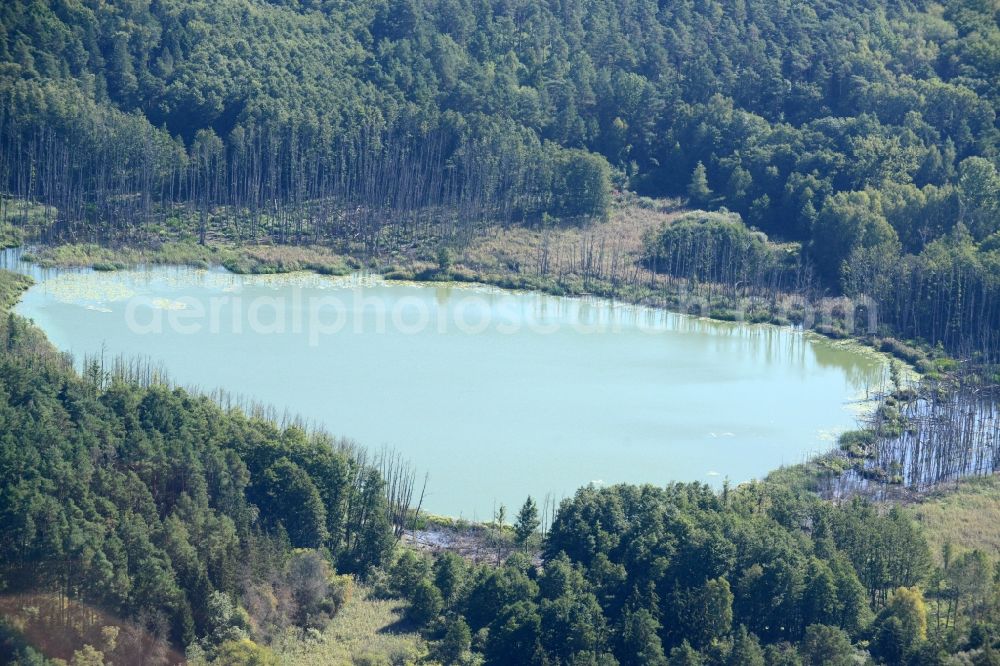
(698, 190)
(527, 523)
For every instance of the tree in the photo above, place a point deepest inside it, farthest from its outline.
(854, 612)
(698, 190)
(572, 625)
(582, 185)
(685, 655)
(826, 646)
(979, 192)
(454, 646)
(295, 502)
(847, 222)
(907, 604)
(514, 635)
(225, 622)
(746, 650)
(450, 573)
(969, 583)
(740, 182)
(819, 602)
(408, 571)
(782, 654)
(527, 523)
(308, 578)
(987, 657)
(87, 656)
(499, 521)
(901, 626)
(444, 258)
(425, 603)
(707, 612)
(374, 539)
(122, 74)
(892, 644)
(641, 645)
(929, 654)
(494, 590)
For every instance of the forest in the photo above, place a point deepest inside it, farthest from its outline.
(833, 149)
(863, 133)
(156, 507)
(144, 523)
(682, 575)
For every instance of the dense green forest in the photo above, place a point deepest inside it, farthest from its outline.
(143, 523)
(761, 574)
(865, 131)
(156, 507)
(839, 147)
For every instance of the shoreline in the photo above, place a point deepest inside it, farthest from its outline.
(860, 405)
(249, 261)
(468, 534)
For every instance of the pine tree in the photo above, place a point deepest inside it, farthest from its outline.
(641, 640)
(698, 190)
(425, 603)
(456, 642)
(527, 523)
(746, 650)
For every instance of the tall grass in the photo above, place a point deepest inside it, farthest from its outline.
(250, 259)
(967, 515)
(365, 631)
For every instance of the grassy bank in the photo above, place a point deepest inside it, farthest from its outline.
(367, 630)
(498, 261)
(601, 259)
(12, 285)
(255, 259)
(966, 515)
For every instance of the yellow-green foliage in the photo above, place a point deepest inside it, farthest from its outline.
(967, 515)
(285, 259)
(907, 605)
(364, 631)
(84, 255)
(80, 255)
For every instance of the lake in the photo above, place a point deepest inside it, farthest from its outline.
(496, 394)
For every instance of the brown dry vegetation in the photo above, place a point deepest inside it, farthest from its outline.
(608, 250)
(59, 627)
(246, 259)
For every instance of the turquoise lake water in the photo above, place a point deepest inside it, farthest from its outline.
(496, 394)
